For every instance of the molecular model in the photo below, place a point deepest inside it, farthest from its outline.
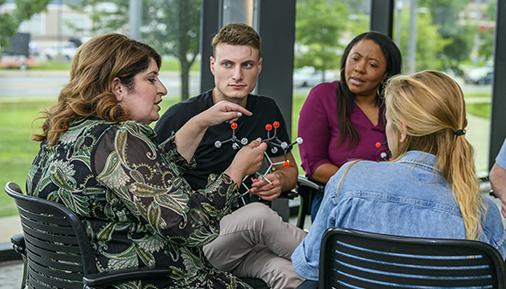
(236, 143)
(384, 156)
(274, 145)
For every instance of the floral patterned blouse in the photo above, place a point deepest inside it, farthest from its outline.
(137, 209)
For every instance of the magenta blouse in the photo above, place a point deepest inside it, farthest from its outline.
(319, 130)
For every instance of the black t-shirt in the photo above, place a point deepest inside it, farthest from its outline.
(212, 160)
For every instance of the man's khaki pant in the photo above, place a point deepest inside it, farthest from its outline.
(254, 242)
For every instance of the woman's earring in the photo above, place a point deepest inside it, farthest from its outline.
(380, 88)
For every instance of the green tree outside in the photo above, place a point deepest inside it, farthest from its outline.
(24, 10)
(319, 26)
(459, 34)
(487, 36)
(172, 27)
(428, 50)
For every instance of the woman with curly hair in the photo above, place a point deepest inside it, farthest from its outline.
(99, 158)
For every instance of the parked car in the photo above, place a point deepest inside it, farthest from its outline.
(308, 76)
(479, 75)
(65, 51)
(487, 79)
(15, 61)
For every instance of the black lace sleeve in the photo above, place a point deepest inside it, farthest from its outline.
(132, 166)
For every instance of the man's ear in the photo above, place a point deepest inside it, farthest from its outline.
(260, 61)
(118, 89)
(212, 62)
(403, 132)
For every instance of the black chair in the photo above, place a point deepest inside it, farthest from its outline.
(56, 250)
(355, 259)
(306, 189)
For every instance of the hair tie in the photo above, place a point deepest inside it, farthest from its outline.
(460, 132)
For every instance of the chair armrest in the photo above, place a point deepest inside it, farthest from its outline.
(18, 244)
(105, 279)
(306, 189)
(306, 182)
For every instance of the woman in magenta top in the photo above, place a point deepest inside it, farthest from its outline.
(344, 120)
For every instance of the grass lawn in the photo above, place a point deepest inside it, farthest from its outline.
(16, 147)
(17, 150)
(482, 110)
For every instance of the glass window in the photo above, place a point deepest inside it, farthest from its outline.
(323, 29)
(242, 11)
(456, 37)
(23, 94)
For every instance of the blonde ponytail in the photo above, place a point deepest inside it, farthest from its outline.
(456, 162)
(431, 105)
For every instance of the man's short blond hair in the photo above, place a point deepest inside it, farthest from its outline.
(238, 34)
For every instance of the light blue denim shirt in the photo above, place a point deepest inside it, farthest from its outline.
(408, 197)
(501, 157)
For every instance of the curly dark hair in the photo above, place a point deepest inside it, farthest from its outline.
(89, 91)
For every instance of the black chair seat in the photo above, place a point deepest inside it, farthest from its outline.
(355, 259)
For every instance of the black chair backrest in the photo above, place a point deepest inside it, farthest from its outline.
(355, 259)
(55, 242)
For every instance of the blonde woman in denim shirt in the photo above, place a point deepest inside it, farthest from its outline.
(428, 189)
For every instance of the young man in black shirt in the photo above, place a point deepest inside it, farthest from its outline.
(253, 241)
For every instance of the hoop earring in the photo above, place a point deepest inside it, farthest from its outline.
(378, 91)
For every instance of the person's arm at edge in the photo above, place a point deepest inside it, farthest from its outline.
(497, 177)
(498, 183)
